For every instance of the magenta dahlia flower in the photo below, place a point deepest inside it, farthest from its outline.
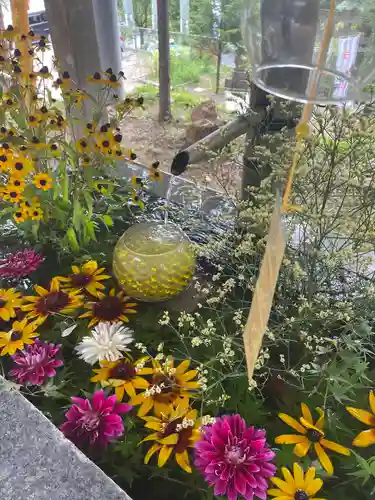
(36, 363)
(20, 264)
(97, 421)
(235, 459)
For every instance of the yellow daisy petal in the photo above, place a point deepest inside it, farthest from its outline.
(306, 413)
(290, 439)
(154, 448)
(310, 475)
(321, 420)
(299, 477)
(172, 439)
(362, 415)
(365, 439)
(183, 461)
(284, 487)
(119, 391)
(287, 475)
(277, 493)
(324, 459)
(182, 367)
(335, 447)
(372, 401)
(313, 487)
(145, 407)
(301, 449)
(40, 290)
(90, 267)
(292, 423)
(164, 454)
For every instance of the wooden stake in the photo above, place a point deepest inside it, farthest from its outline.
(264, 291)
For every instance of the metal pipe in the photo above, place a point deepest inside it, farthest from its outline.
(214, 141)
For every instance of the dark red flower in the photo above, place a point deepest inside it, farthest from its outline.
(20, 264)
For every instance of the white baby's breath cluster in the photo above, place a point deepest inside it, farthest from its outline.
(141, 347)
(186, 319)
(263, 357)
(208, 420)
(252, 385)
(165, 319)
(202, 377)
(153, 390)
(186, 423)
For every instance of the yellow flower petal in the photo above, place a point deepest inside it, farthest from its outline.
(372, 401)
(277, 493)
(145, 407)
(290, 439)
(154, 448)
(310, 475)
(324, 459)
(137, 400)
(292, 423)
(182, 367)
(284, 487)
(90, 267)
(183, 461)
(40, 290)
(119, 391)
(188, 375)
(313, 487)
(335, 447)
(164, 454)
(306, 413)
(365, 439)
(321, 420)
(4, 314)
(287, 475)
(310, 426)
(172, 439)
(301, 449)
(363, 416)
(129, 388)
(155, 426)
(284, 497)
(299, 477)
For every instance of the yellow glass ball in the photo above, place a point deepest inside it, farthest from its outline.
(153, 261)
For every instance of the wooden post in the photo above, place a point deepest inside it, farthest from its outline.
(164, 62)
(20, 20)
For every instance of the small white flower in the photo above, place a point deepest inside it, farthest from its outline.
(107, 342)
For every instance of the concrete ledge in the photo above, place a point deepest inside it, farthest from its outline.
(38, 463)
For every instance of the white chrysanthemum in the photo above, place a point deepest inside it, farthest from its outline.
(107, 342)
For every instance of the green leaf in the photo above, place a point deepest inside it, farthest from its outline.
(77, 215)
(89, 203)
(72, 240)
(107, 220)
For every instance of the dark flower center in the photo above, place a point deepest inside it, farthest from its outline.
(2, 302)
(235, 454)
(18, 166)
(79, 280)
(15, 335)
(3, 158)
(108, 309)
(96, 76)
(13, 194)
(123, 371)
(90, 421)
(52, 302)
(183, 434)
(314, 435)
(42, 182)
(169, 388)
(301, 495)
(83, 144)
(105, 144)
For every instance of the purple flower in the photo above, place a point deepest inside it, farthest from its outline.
(97, 421)
(235, 459)
(20, 264)
(36, 363)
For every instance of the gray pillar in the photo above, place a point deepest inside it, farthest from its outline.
(108, 34)
(85, 36)
(154, 14)
(184, 16)
(128, 12)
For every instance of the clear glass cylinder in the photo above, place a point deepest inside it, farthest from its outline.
(153, 261)
(319, 51)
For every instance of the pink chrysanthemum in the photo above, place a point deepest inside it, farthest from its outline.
(97, 421)
(36, 363)
(20, 264)
(235, 459)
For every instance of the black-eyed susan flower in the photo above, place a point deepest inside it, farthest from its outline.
(177, 430)
(10, 300)
(88, 278)
(124, 375)
(32, 121)
(5, 161)
(154, 175)
(112, 308)
(21, 166)
(20, 216)
(16, 183)
(296, 486)
(365, 438)
(169, 385)
(44, 72)
(83, 145)
(136, 200)
(21, 334)
(310, 434)
(138, 181)
(36, 213)
(42, 181)
(34, 202)
(51, 302)
(12, 194)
